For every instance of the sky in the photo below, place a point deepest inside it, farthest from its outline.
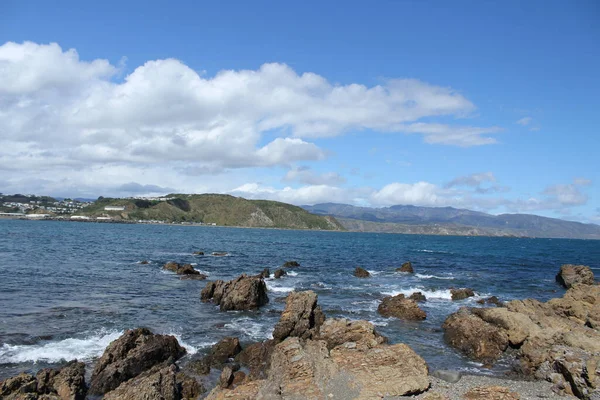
(491, 106)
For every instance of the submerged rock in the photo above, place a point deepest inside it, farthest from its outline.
(265, 273)
(136, 351)
(279, 273)
(460, 294)
(571, 274)
(417, 296)
(242, 293)
(406, 267)
(290, 264)
(302, 317)
(198, 253)
(219, 253)
(66, 383)
(400, 307)
(361, 273)
(186, 269)
(144, 262)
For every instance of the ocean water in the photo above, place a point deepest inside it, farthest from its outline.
(68, 289)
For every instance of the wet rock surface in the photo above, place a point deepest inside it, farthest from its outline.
(302, 317)
(242, 293)
(406, 267)
(361, 273)
(569, 274)
(290, 264)
(460, 294)
(401, 307)
(279, 273)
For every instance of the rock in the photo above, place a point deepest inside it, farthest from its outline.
(136, 351)
(447, 375)
(238, 378)
(337, 331)
(67, 383)
(494, 300)
(434, 396)
(198, 253)
(279, 273)
(571, 274)
(417, 296)
(222, 351)
(302, 317)
(200, 366)
(242, 293)
(474, 337)
(406, 267)
(219, 253)
(290, 264)
(361, 273)
(265, 273)
(580, 371)
(459, 294)
(189, 387)
(196, 277)
(257, 358)
(226, 378)
(171, 266)
(480, 301)
(144, 262)
(187, 269)
(401, 307)
(491, 393)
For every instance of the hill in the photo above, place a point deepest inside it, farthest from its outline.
(223, 210)
(452, 221)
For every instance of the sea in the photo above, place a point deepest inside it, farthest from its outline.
(67, 289)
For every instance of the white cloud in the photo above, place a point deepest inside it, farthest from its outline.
(473, 180)
(420, 193)
(307, 176)
(463, 136)
(311, 194)
(525, 121)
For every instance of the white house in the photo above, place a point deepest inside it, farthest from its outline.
(114, 208)
(79, 217)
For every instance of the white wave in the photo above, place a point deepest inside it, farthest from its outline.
(321, 285)
(188, 347)
(379, 323)
(251, 328)
(430, 294)
(292, 273)
(279, 289)
(373, 272)
(422, 276)
(193, 263)
(68, 349)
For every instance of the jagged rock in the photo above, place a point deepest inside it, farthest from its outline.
(491, 393)
(189, 388)
(265, 273)
(459, 294)
(222, 351)
(171, 266)
(495, 301)
(474, 337)
(144, 262)
(226, 378)
(400, 307)
(290, 264)
(187, 269)
(337, 331)
(257, 358)
(406, 267)
(417, 296)
(302, 317)
(67, 383)
(194, 277)
(279, 273)
(242, 293)
(571, 274)
(361, 273)
(134, 352)
(199, 366)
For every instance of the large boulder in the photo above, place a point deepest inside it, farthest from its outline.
(185, 269)
(279, 273)
(474, 337)
(136, 351)
(242, 293)
(66, 383)
(257, 358)
(221, 352)
(571, 274)
(290, 264)
(361, 273)
(302, 317)
(406, 267)
(417, 296)
(400, 307)
(337, 331)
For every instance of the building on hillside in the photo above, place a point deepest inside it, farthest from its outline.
(114, 208)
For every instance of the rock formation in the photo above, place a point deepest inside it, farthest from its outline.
(361, 273)
(459, 294)
(290, 264)
(406, 267)
(571, 274)
(136, 351)
(242, 293)
(186, 269)
(417, 296)
(301, 318)
(400, 307)
(279, 273)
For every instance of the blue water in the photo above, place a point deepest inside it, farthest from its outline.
(67, 289)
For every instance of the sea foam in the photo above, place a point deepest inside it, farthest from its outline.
(430, 294)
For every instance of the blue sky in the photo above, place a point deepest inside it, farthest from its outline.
(489, 106)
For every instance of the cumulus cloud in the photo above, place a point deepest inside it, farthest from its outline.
(306, 175)
(525, 121)
(567, 194)
(311, 194)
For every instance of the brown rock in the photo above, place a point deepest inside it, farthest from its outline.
(187, 269)
(195, 277)
(434, 396)
(302, 317)
(145, 262)
(226, 378)
(401, 307)
(67, 383)
(222, 351)
(242, 293)
(494, 300)
(198, 253)
(257, 358)
(417, 296)
(571, 274)
(171, 266)
(474, 337)
(17, 386)
(279, 273)
(134, 352)
(219, 253)
(491, 393)
(406, 267)
(361, 273)
(459, 294)
(189, 388)
(290, 264)
(337, 331)
(265, 273)
(155, 384)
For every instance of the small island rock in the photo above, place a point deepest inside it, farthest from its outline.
(571, 274)
(406, 267)
(400, 307)
(361, 273)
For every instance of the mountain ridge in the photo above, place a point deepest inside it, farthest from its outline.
(450, 220)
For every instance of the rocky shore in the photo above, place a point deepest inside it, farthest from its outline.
(555, 347)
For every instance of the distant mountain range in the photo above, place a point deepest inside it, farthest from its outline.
(452, 221)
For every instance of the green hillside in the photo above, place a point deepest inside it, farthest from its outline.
(223, 210)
